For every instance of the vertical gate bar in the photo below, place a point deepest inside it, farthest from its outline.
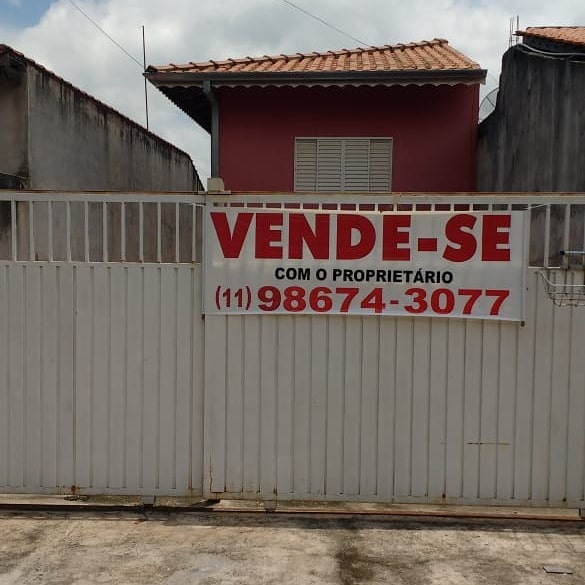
(50, 229)
(31, 231)
(566, 233)
(104, 231)
(158, 232)
(177, 232)
(13, 229)
(194, 234)
(547, 236)
(528, 239)
(440, 377)
(123, 231)
(68, 228)
(141, 231)
(86, 230)
(583, 258)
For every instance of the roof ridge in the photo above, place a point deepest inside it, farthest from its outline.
(304, 55)
(435, 54)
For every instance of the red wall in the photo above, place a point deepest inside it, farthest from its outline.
(434, 131)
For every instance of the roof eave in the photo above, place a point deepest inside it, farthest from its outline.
(171, 82)
(239, 78)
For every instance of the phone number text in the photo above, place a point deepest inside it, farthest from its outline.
(322, 299)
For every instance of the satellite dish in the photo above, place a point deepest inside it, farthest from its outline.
(488, 104)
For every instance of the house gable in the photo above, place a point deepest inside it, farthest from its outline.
(423, 97)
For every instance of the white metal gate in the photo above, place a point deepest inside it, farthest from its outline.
(404, 409)
(101, 354)
(111, 381)
(398, 409)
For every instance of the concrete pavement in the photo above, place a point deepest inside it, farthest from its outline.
(237, 544)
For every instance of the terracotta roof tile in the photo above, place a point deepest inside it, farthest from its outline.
(574, 35)
(427, 55)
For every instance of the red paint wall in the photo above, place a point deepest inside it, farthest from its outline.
(434, 131)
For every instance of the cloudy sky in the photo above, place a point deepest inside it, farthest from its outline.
(56, 34)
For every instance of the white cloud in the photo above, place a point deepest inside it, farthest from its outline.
(181, 31)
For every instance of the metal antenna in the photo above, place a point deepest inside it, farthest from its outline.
(145, 85)
(513, 38)
(510, 31)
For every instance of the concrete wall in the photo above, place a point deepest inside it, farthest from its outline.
(55, 136)
(77, 143)
(533, 141)
(13, 124)
(434, 131)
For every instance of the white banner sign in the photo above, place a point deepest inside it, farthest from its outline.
(468, 264)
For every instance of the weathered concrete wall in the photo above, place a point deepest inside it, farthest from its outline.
(533, 141)
(13, 123)
(77, 143)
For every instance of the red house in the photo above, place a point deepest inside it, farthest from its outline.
(391, 118)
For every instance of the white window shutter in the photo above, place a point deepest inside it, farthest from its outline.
(356, 168)
(343, 164)
(306, 164)
(329, 165)
(381, 164)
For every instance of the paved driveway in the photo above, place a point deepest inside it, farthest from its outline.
(135, 546)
